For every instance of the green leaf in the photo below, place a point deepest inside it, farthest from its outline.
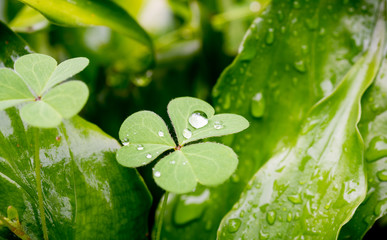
(68, 98)
(40, 114)
(28, 20)
(144, 136)
(269, 68)
(66, 70)
(93, 13)
(317, 183)
(87, 195)
(12, 89)
(35, 70)
(194, 119)
(373, 128)
(208, 163)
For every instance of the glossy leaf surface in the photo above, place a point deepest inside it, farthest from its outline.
(207, 163)
(310, 190)
(86, 194)
(94, 13)
(374, 131)
(292, 65)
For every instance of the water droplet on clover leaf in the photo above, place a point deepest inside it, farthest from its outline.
(140, 147)
(233, 225)
(161, 133)
(198, 119)
(187, 133)
(157, 174)
(218, 125)
(125, 141)
(148, 155)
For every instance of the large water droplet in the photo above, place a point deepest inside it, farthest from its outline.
(269, 36)
(218, 125)
(233, 225)
(300, 66)
(140, 147)
(187, 133)
(148, 155)
(198, 119)
(161, 134)
(382, 175)
(270, 217)
(157, 174)
(376, 149)
(258, 105)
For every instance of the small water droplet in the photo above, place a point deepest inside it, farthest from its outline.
(300, 66)
(263, 235)
(125, 141)
(187, 133)
(143, 80)
(270, 217)
(328, 205)
(235, 178)
(172, 162)
(289, 217)
(161, 133)
(304, 49)
(269, 36)
(241, 214)
(280, 15)
(233, 225)
(148, 156)
(140, 147)
(255, 6)
(258, 105)
(198, 119)
(382, 175)
(218, 125)
(157, 174)
(184, 163)
(296, 199)
(312, 23)
(376, 149)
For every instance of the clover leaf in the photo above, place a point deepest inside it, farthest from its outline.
(145, 136)
(37, 81)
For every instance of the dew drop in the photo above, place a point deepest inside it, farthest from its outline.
(218, 125)
(255, 6)
(143, 80)
(233, 225)
(198, 119)
(172, 162)
(289, 217)
(312, 23)
(296, 199)
(270, 217)
(377, 149)
(140, 147)
(382, 175)
(148, 156)
(161, 134)
(269, 36)
(263, 235)
(125, 141)
(300, 66)
(258, 105)
(241, 214)
(187, 133)
(157, 174)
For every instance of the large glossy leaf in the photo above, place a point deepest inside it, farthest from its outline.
(374, 130)
(94, 13)
(310, 190)
(292, 64)
(87, 195)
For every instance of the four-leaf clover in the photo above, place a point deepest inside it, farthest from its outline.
(145, 136)
(37, 82)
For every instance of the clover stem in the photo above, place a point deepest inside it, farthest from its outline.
(39, 184)
(161, 216)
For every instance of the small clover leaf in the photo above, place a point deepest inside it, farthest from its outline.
(37, 81)
(145, 136)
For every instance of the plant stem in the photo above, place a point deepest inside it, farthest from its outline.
(161, 216)
(39, 184)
